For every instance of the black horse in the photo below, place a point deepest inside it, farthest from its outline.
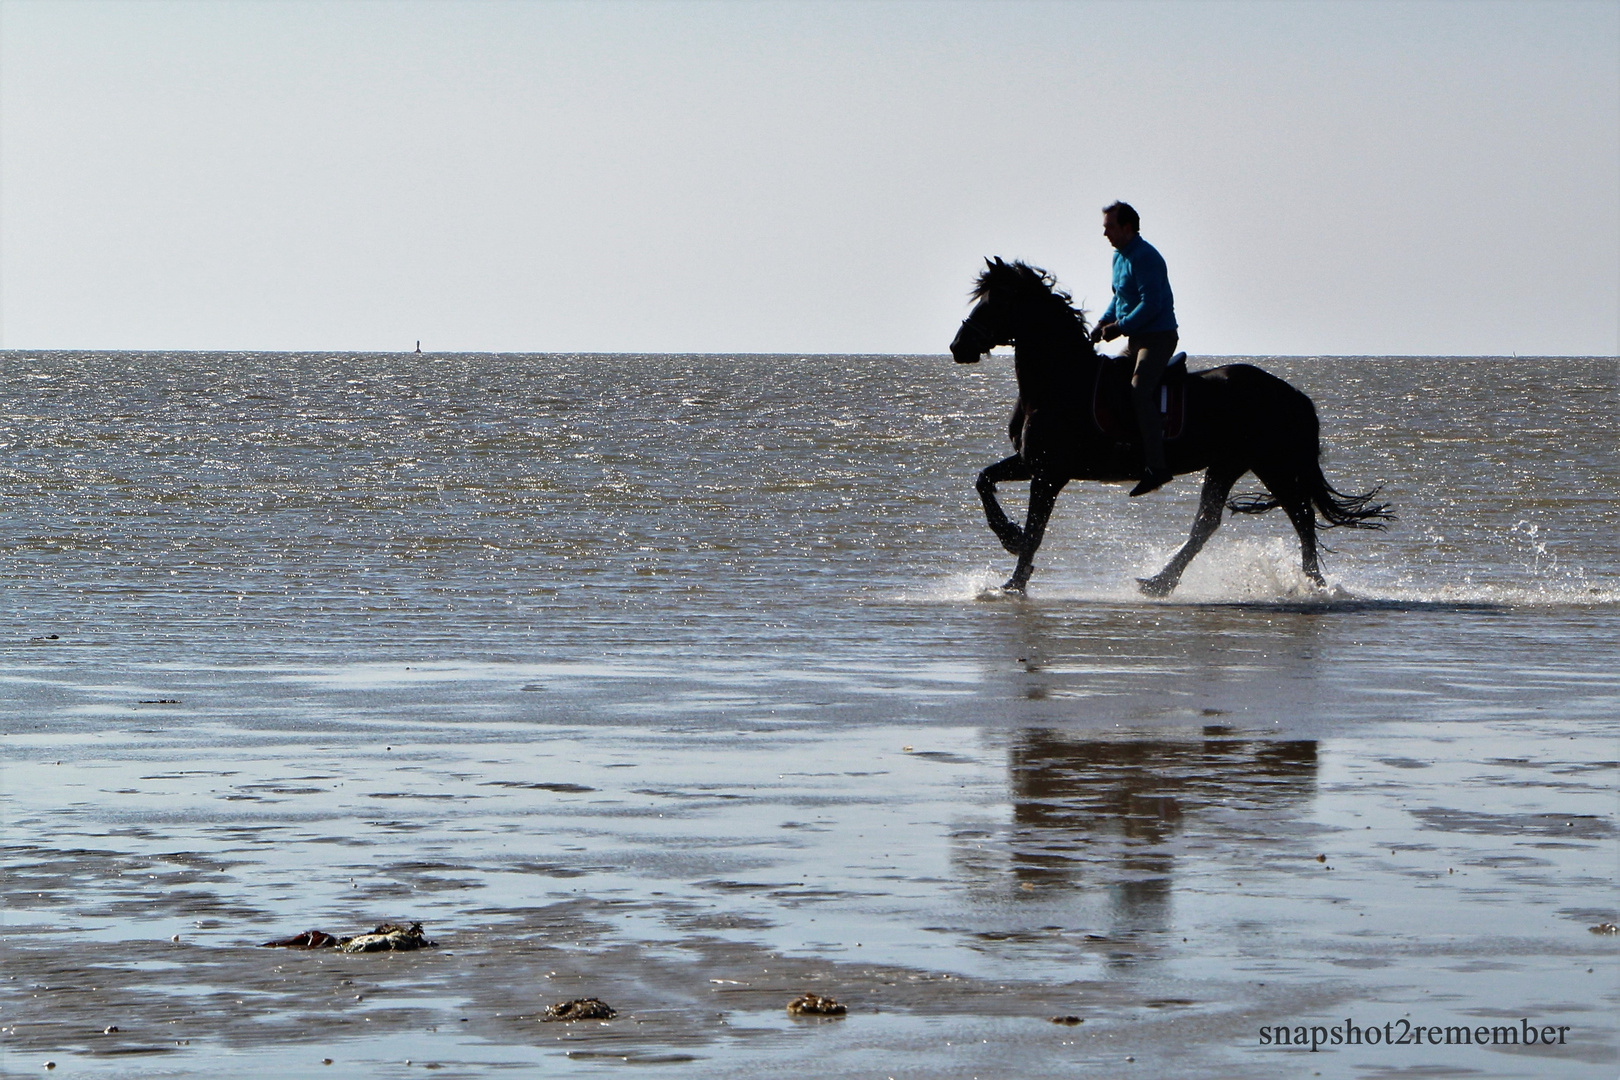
(1233, 419)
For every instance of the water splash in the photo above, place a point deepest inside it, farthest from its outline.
(1262, 571)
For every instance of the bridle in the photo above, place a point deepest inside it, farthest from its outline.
(988, 338)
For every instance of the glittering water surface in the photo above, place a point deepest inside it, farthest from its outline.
(682, 681)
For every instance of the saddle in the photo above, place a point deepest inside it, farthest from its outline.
(1111, 405)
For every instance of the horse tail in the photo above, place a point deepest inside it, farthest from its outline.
(1347, 511)
(1253, 503)
(1301, 448)
(1338, 510)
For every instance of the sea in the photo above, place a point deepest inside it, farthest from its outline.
(685, 682)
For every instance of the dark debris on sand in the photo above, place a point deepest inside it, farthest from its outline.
(389, 937)
(309, 939)
(580, 1009)
(815, 1005)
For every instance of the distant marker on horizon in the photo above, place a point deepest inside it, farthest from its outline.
(419, 346)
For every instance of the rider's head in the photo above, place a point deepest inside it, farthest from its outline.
(1120, 223)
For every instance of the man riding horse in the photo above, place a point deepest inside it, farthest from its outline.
(1144, 310)
(1237, 419)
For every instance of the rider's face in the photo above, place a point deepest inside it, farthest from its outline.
(1118, 234)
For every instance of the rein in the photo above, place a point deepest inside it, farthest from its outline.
(985, 335)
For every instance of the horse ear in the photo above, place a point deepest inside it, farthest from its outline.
(988, 265)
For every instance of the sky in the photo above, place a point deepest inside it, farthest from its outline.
(813, 177)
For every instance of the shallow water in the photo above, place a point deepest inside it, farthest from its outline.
(680, 682)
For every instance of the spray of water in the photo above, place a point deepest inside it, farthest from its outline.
(1267, 570)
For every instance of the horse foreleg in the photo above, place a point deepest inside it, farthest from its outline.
(1043, 493)
(1211, 502)
(1007, 469)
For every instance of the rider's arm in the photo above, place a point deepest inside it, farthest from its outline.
(1100, 332)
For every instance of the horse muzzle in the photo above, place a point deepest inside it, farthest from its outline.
(969, 345)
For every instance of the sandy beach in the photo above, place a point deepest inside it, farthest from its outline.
(1177, 883)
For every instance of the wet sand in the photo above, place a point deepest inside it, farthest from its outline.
(1178, 879)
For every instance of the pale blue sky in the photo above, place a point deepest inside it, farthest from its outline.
(805, 177)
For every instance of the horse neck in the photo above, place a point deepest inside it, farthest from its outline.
(1052, 348)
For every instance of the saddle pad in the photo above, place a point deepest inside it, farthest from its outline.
(1111, 406)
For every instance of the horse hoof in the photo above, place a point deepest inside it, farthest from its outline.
(1154, 587)
(1013, 587)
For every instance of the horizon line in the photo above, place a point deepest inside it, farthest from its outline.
(6, 350)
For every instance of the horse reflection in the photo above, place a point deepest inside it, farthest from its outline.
(1112, 813)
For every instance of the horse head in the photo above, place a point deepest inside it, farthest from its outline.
(984, 328)
(1008, 294)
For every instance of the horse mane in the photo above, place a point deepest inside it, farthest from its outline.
(1022, 280)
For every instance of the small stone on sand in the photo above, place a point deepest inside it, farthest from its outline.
(1605, 928)
(1067, 1020)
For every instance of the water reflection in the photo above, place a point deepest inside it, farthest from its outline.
(1111, 814)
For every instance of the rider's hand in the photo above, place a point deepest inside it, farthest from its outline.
(1106, 332)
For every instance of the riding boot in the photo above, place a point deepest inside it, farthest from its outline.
(1155, 473)
(1151, 358)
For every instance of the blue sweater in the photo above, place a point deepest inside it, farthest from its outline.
(1142, 302)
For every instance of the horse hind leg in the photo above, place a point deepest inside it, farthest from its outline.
(1006, 470)
(1294, 496)
(1211, 502)
(1300, 513)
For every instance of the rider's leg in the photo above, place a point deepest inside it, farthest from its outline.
(1150, 352)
